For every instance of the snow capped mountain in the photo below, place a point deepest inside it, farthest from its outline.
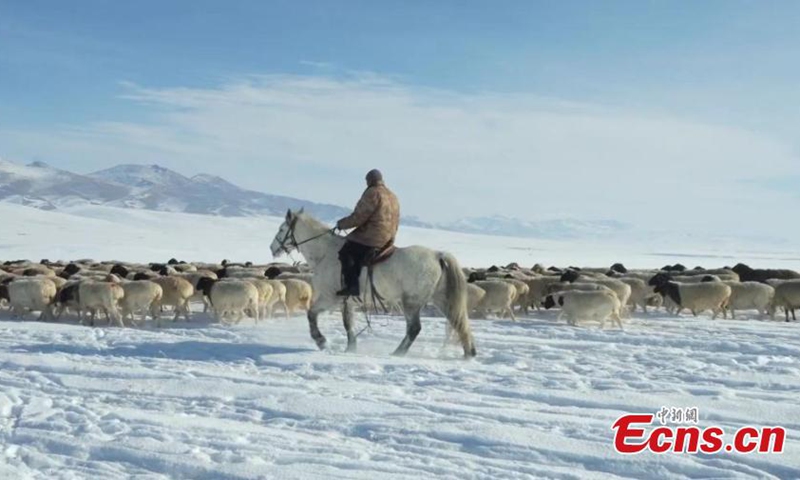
(149, 187)
(142, 177)
(214, 181)
(152, 187)
(43, 186)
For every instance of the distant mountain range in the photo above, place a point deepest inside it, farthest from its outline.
(148, 187)
(152, 187)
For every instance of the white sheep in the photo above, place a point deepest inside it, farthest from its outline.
(57, 281)
(587, 305)
(474, 296)
(34, 270)
(621, 289)
(241, 272)
(724, 274)
(662, 277)
(749, 295)
(141, 296)
(697, 297)
(645, 275)
(34, 294)
(568, 287)
(787, 296)
(265, 289)
(640, 292)
(231, 296)
(537, 290)
(728, 277)
(176, 293)
(194, 277)
(522, 288)
(298, 295)
(306, 277)
(278, 297)
(104, 296)
(498, 299)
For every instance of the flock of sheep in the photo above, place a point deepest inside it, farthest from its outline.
(123, 291)
(602, 293)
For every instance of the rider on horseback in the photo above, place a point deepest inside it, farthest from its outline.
(375, 219)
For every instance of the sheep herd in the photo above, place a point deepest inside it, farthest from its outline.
(127, 293)
(614, 292)
(124, 291)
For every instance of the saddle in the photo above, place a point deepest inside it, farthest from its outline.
(381, 255)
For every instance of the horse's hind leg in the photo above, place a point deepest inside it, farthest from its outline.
(347, 317)
(413, 327)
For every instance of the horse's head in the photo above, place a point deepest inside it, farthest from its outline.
(284, 241)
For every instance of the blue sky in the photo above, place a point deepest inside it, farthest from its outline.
(523, 94)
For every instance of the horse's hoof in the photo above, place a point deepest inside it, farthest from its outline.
(350, 349)
(321, 344)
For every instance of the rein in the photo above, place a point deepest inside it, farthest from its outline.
(294, 243)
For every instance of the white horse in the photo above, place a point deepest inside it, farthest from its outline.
(411, 277)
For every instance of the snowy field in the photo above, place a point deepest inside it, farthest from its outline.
(205, 402)
(202, 401)
(145, 236)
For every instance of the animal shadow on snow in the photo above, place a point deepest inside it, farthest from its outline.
(188, 350)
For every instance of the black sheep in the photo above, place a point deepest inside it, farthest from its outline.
(659, 279)
(476, 276)
(619, 268)
(570, 276)
(69, 270)
(272, 272)
(747, 274)
(120, 271)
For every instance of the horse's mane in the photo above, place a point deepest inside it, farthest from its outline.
(312, 222)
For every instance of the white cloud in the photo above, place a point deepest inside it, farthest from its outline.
(447, 154)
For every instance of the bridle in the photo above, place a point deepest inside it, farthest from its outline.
(289, 240)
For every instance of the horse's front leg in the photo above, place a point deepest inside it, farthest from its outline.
(347, 317)
(313, 327)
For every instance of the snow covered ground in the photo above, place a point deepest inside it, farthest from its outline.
(202, 401)
(259, 401)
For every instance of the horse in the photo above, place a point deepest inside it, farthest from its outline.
(411, 277)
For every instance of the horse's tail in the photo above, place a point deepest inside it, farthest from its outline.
(455, 301)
